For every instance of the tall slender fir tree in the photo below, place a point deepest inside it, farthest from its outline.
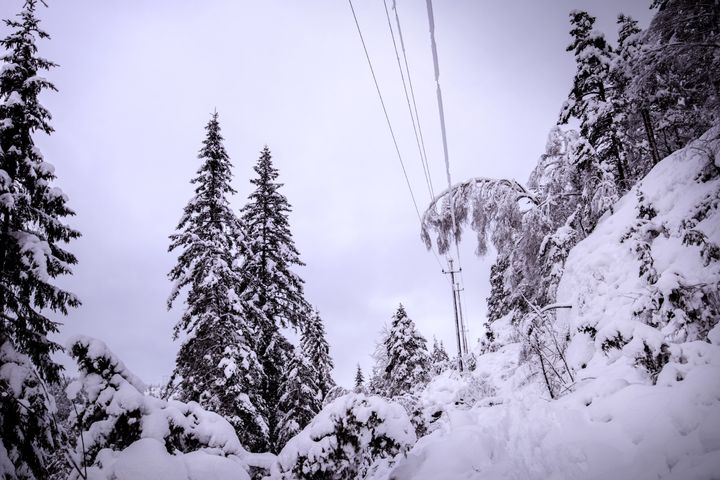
(408, 363)
(315, 345)
(32, 255)
(268, 287)
(216, 365)
(591, 101)
(300, 400)
(359, 380)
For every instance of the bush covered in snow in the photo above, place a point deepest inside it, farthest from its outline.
(350, 438)
(130, 436)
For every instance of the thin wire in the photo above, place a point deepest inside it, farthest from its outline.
(387, 118)
(441, 112)
(407, 99)
(412, 95)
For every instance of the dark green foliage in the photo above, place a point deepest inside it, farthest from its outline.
(32, 255)
(217, 365)
(271, 293)
(359, 380)
(317, 351)
(408, 361)
(300, 400)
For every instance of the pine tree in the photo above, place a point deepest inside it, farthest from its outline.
(439, 357)
(317, 350)
(299, 399)
(590, 101)
(359, 380)
(377, 384)
(268, 287)
(32, 255)
(408, 358)
(216, 365)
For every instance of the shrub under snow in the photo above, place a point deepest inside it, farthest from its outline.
(131, 436)
(353, 437)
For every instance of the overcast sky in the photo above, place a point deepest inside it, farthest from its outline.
(139, 79)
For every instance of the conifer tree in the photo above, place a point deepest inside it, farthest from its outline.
(32, 254)
(359, 380)
(299, 398)
(216, 365)
(316, 347)
(602, 154)
(377, 383)
(268, 287)
(408, 358)
(439, 357)
(675, 80)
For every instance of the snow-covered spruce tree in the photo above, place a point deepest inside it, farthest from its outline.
(269, 289)
(408, 360)
(359, 380)
(602, 154)
(300, 399)
(439, 359)
(32, 254)
(636, 126)
(316, 348)
(216, 365)
(377, 385)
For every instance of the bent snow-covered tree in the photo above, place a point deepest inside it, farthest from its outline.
(216, 365)
(32, 254)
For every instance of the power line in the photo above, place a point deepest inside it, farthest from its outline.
(387, 118)
(443, 131)
(423, 160)
(412, 94)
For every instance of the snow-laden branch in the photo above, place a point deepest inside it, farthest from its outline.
(479, 201)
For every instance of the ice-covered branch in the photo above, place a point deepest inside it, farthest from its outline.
(481, 202)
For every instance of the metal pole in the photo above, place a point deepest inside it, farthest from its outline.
(457, 318)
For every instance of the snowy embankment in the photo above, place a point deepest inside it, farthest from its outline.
(619, 419)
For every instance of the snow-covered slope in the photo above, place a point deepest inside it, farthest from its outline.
(644, 348)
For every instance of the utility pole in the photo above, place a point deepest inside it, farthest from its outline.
(457, 315)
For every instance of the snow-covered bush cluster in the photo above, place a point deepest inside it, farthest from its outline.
(128, 435)
(645, 284)
(355, 436)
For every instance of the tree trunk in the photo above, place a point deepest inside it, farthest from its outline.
(647, 122)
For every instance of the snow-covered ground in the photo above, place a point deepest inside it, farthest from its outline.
(614, 422)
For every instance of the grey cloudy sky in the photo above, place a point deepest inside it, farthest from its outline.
(138, 80)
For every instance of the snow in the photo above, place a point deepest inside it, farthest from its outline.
(148, 459)
(166, 427)
(616, 420)
(353, 435)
